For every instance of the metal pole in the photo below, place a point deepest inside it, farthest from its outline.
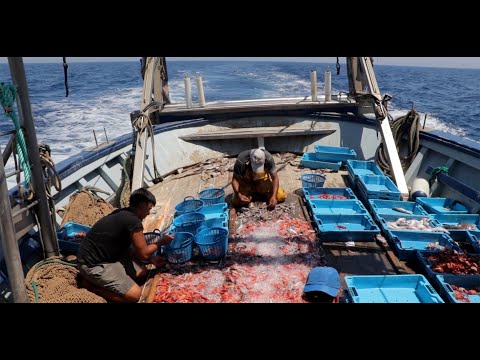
(17, 71)
(9, 243)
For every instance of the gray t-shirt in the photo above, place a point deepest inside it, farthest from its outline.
(243, 163)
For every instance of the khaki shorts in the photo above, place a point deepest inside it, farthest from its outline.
(115, 277)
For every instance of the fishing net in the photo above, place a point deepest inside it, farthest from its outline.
(55, 281)
(85, 207)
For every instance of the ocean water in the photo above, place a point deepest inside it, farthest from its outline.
(102, 95)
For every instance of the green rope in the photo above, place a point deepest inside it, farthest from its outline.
(434, 173)
(45, 262)
(8, 95)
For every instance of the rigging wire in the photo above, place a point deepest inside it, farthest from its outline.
(65, 68)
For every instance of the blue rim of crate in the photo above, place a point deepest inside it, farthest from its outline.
(318, 206)
(305, 161)
(426, 203)
(334, 153)
(329, 191)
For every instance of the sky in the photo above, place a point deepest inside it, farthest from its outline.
(452, 62)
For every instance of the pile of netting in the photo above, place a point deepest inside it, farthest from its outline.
(86, 207)
(56, 281)
(266, 262)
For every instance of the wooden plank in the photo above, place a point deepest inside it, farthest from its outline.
(255, 133)
(153, 289)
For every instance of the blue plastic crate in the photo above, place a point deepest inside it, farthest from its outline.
(385, 207)
(406, 243)
(429, 265)
(392, 218)
(361, 167)
(219, 222)
(450, 220)
(180, 250)
(442, 205)
(334, 153)
(309, 160)
(316, 192)
(67, 236)
(467, 282)
(378, 186)
(365, 197)
(212, 243)
(345, 207)
(391, 289)
(341, 228)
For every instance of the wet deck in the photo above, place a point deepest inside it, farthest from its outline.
(364, 258)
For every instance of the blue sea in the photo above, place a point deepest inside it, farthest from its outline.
(103, 94)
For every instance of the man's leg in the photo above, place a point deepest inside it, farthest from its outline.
(112, 282)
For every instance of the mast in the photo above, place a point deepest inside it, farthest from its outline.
(382, 118)
(9, 243)
(154, 87)
(49, 238)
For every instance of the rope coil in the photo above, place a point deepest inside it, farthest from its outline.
(142, 123)
(409, 126)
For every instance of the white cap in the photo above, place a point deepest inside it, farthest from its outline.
(257, 160)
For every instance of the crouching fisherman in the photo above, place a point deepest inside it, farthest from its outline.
(111, 255)
(255, 175)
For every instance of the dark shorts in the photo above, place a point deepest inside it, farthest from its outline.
(115, 277)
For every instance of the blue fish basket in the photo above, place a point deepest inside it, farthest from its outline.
(188, 205)
(212, 243)
(180, 249)
(189, 222)
(212, 196)
(313, 180)
(153, 236)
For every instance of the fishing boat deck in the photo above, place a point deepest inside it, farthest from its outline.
(362, 258)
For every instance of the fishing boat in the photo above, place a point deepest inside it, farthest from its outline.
(179, 149)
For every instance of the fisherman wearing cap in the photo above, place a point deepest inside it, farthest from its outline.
(323, 285)
(255, 174)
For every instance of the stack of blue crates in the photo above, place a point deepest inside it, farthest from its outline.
(361, 167)
(377, 187)
(340, 220)
(327, 157)
(216, 215)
